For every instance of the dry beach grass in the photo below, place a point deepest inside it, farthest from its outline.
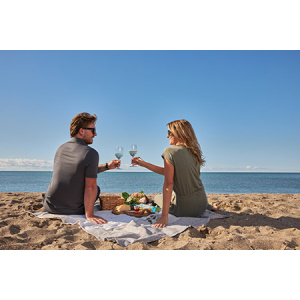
(255, 221)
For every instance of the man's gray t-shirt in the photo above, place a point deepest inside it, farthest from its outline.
(74, 161)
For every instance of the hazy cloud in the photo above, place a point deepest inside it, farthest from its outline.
(24, 164)
(128, 168)
(233, 169)
(251, 168)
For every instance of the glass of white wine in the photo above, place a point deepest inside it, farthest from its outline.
(133, 152)
(119, 152)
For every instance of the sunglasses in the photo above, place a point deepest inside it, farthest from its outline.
(93, 130)
(169, 132)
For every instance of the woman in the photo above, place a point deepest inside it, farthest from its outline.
(183, 192)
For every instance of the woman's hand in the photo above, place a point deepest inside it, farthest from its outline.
(137, 161)
(161, 222)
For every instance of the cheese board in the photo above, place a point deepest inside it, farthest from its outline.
(134, 213)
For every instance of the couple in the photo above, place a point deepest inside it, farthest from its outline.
(73, 188)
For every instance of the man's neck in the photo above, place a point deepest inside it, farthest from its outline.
(80, 138)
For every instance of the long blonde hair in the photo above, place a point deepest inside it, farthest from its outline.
(184, 132)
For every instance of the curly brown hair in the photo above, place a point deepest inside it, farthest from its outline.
(184, 132)
(80, 121)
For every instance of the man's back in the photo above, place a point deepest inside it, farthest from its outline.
(74, 161)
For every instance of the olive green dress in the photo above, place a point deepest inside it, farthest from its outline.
(188, 197)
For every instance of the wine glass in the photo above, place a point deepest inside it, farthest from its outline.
(119, 151)
(133, 151)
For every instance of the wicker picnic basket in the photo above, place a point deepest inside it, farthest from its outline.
(110, 202)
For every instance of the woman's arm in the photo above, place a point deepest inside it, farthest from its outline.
(167, 194)
(138, 161)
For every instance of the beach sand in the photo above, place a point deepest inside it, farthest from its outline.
(255, 221)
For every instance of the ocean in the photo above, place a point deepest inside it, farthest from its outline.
(118, 182)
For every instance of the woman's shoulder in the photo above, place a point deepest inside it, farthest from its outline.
(174, 149)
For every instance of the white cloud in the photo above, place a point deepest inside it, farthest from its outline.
(251, 168)
(128, 168)
(233, 169)
(24, 164)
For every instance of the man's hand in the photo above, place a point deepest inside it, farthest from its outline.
(115, 163)
(96, 219)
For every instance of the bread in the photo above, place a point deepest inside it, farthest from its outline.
(122, 207)
(146, 211)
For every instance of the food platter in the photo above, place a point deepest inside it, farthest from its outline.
(143, 206)
(133, 213)
(142, 213)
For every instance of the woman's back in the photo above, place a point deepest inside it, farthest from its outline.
(186, 170)
(189, 198)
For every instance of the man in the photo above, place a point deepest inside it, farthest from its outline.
(73, 188)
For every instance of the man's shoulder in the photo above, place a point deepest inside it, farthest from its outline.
(77, 147)
(92, 150)
(64, 145)
(91, 153)
(69, 142)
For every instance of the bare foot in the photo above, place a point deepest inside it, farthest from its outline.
(214, 207)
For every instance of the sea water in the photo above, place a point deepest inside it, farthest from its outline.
(148, 182)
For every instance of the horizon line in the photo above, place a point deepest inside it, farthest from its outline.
(128, 171)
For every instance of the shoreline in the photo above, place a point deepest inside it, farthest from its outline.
(255, 222)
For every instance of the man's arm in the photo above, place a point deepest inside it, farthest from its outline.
(101, 168)
(90, 194)
(111, 165)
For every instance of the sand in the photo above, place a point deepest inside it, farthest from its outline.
(255, 222)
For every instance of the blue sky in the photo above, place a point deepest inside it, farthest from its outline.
(243, 105)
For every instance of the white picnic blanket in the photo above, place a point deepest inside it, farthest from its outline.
(126, 230)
